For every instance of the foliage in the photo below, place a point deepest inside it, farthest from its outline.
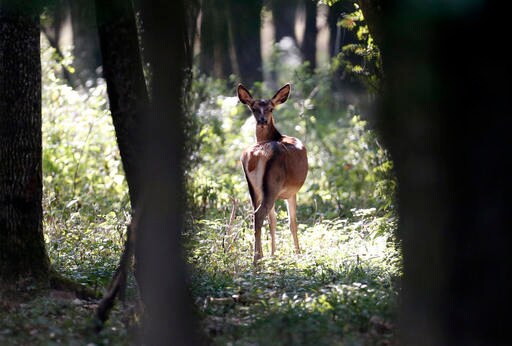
(348, 167)
(85, 207)
(341, 288)
(33, 317)
(360, 59)
(85, 193)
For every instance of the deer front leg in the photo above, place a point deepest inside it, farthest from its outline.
(291, 204)
(259, 216)
(272, 221)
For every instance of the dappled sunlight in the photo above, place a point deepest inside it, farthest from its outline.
(344, 279)
(85, 192)
(343, 285)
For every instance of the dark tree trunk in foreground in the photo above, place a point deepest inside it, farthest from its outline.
(160, 265)
(22, 249)
(122, 68)
(245, 25)
(446, 119)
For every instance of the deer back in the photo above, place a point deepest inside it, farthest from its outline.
(279, 166)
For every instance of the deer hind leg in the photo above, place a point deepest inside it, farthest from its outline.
(291, 204)
(259, 216)
(272, 221)
(265, 209)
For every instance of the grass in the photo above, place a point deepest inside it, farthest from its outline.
(34, 316)
(340, 291)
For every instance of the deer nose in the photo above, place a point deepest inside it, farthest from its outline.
(262, 121)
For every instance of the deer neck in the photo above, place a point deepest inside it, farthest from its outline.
(267, 133)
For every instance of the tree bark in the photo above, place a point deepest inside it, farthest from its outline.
(446, 119)
(160, 266)
(126, 87)
(22, 248)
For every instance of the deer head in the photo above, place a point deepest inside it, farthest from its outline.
(262, 109)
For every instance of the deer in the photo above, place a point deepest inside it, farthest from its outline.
(275, 167)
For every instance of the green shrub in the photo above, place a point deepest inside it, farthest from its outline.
(86, 205)
(348, 167)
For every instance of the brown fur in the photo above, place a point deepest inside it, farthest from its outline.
(275, 167)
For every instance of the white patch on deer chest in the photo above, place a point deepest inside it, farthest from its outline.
(255, 166)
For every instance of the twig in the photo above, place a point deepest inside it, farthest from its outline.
(117, 286)
(229, 226)
(238, 232)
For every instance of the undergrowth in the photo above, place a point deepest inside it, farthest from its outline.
(341, 290)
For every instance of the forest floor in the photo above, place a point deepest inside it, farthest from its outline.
(341, 290)
(35, 316)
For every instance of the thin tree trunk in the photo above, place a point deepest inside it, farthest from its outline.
(160, 266)
(22, 249)
(126, 87)
(284, 13)
(308, 47)
(86, 48)
(59, 13)
(245, 20)
(340, 36)
(215, 42)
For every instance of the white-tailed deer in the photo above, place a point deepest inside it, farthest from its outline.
(275, 168)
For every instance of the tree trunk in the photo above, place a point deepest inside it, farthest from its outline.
(58, 21)
(193, 8)
(308, 47)
(160, 266)
(245, 25)
(284, 13)
(446, 120)
(215, 57)
(86, 48)
(126, 87)
(22, 248)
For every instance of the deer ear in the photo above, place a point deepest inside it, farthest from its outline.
(282, 95)
(244, 95)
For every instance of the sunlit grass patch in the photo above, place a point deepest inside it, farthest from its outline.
(85, 202)
(336, 289)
